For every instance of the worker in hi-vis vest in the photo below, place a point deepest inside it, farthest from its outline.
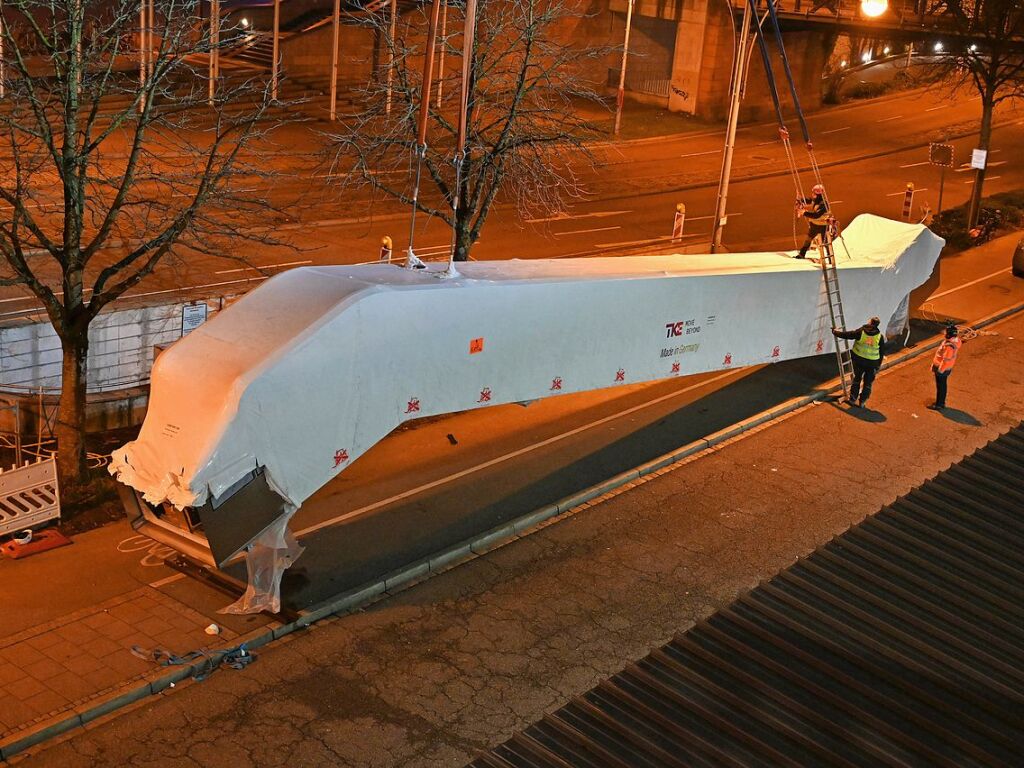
(942, 365)
(815, 210)
(866, 355)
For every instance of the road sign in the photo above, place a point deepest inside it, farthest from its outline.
(940, 154)
(978, 158)
(192, 316)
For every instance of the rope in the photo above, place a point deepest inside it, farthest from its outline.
(233, 658)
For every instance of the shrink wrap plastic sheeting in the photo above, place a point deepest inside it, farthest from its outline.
(311, 369)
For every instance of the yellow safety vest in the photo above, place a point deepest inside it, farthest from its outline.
(945, 355)
(868, 347)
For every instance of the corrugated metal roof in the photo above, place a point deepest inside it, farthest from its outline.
(900, 642)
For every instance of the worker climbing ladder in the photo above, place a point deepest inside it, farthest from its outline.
(830, 278)
(830, 275)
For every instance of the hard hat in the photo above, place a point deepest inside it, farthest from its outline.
(875, 321)
(818, 189)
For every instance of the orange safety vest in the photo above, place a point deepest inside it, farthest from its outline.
(945, 355)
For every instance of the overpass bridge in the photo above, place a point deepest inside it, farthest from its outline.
(904, 21)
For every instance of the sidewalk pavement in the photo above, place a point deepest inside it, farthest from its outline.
(82, 663)
(457, 663)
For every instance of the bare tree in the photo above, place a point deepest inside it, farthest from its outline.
(107, 173)
(993, 64)
(529, 93)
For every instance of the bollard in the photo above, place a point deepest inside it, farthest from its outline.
(385, 248)
(679, 221)
(908, 200)
(1018, 258)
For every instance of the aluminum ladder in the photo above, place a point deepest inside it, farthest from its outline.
(830, 277)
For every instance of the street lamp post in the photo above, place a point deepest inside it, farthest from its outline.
(620, 97)
(735, 95)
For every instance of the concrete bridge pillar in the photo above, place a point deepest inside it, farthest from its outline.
(702, 64)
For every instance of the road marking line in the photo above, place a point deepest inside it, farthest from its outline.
(168, 580)
(766, 143)
(998, 162)
(914, 165)
(512, 455)
(264, 266)
(651, 241)
(967, 285)
(567, 217)
(701, 154)
(835, 130)
(940, 106)
(585, 231)
(903, 192)
(887, 119)
(987, 178)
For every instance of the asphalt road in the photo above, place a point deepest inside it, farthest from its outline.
(868, 152)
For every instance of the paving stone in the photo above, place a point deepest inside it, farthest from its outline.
(104, 647)
(13, 712)
(77, 632)
(43, 640)
(47, 701)
(24, 689)
(83, 664)
(45, 669)
(99, 621)
(21, 655)
(71, 686)
(62, 651)
(9, 673)
(116, 629)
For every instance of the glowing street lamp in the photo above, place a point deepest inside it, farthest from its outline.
(873, 8)
(938, 48)
(866, 57)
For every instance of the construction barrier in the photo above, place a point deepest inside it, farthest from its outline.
(385, 248)
(679, 221)
(29, 496)
(908, 201)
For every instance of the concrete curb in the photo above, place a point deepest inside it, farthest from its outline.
(403, 578)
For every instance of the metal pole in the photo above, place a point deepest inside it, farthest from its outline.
(392, 31)
(276, 65)
(214, 43)
(411, 261)
(142, 51)
(216, 51)
(468, 37)
(149, 39)
(622, 70)
(3, 64)
(440, 62)
(334, 60)
(942, 184)
(739, 65)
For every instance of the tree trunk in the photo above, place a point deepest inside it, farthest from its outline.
(463, 234)
(70, 427)
(984, 138)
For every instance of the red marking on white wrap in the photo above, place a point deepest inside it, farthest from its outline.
(675, 367)
(485, 395)
(728, 359)
(340, 457)
(413, 406)
(556, 383)
(775, 351)
(820, 346)
(620, 375)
